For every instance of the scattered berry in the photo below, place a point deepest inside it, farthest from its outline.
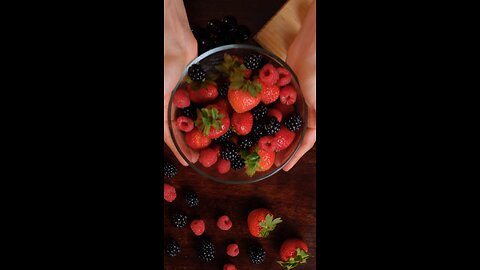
(184, 123)
(261, 222)
(196, 73)
(224, 223)
(229, 151)
(237, 163)
(198, 227)
(169, 193)
(206, 251)
(169, 169)
(208, 157)
(257, 254)
(225, 137)
(181, 98)
(191, 198)
(242, 34)
(190, 112)
(172, 248)
(293, 122)
(268, 75)
(288, 95)
(223, 166)
(285, 76)
(242, 122)
(229, 266)
(253, 61)
(259, 112)
(223, 90)
(232, 250)
(267, 143)
(271, 126)
(179, 220)
(230, 22)
(283, 138)
(292, 253)
(275, 113)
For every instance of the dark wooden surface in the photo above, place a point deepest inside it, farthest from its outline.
(290, 195)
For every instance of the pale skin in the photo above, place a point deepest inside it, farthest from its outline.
(180, 48)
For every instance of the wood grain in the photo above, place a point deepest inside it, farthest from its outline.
(290, 195)
(281, 30)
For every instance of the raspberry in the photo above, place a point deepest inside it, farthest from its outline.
(224, 223)
(184, 123)
(229, 266)
(288, 95)
(285, 76)
(223, 166)
(181, 99)
(198, 227)
(275, 113)
(269, 74)
(247, 73)
(286, 110)
(169, 193)
(216, 148)
(208, 157)
(283, 138)
(232, 250)
(267, 143)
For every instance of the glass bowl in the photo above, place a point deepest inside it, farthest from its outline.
(208, 60)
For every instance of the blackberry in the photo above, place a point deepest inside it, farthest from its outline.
(223, 90)
(258, 129)
(293, 122)
(230, 22)
(259, 112)
(242, 34)
(245, 142)
(196, 73)
(169, 169)
(179, 220)
(257, 254)
(237, 163)
(191, 198)
(228, 151)
(271, 126)
(225, 137)
(253, 61)
(190, 112)
(172, 248)
(206, 250)
(215, 27)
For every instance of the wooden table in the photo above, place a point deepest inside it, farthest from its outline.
(289, 195)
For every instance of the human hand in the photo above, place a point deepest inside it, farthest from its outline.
(301, 57)
(179, 49)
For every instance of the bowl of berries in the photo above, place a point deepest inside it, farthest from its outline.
(240, 107)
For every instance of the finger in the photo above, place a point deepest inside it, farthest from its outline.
(307, 144)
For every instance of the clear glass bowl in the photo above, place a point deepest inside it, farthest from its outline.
(208, 60)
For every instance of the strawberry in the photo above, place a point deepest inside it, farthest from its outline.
(285, 76)
(196, 140)
(212, 121)
(208, 157)
(258, 160)
(206, 92)
(270, 93)
(223, 166)
(229, 266)
(268, 74)
(283, 138)
(292, 253)
(198, 227)
(184, 123)
(242, 122)
(232, 250)
(261, 223)
(288, 95)
(224, 223)
(181, 98)
(275, 113)
(169, 193)
(242, 100)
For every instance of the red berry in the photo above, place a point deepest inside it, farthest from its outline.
(224, 223)
(223, 166)
(198, 227)
(247, 73)
(169, 193)
(234, 139)
(208, 157)
(275, 113)
(203, 95)
(288, 95)
(216, 148)
(232, 250)
(285, 76)
(242, 122)
(229, 266)
(286, 110)
(181, 98)
(268, 74)
(283, 138)
(196, 140)
(184, 123)
(270, 93)
(267, 143)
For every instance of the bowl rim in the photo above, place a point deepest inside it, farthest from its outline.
(180, 81)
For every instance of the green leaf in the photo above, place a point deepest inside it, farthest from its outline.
(228, 59)
(236, 85)
(188, 80)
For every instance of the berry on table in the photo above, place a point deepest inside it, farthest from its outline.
(179, 220)
(230, 22)
(191, 198)
(268, 75)
(224, 223)
(169, 193)
(196, 73)
(181, 98)
(293, 122)
(198, 227)
(288, 95)
(184, 123)
(206, 250)
(172, 248)
(242, 33)
(169, 169)
(257, 254)
(229, 266)
(232, 250)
